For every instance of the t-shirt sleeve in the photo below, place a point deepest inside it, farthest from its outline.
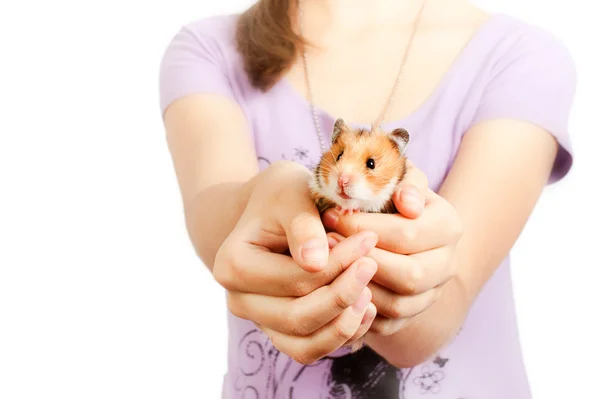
(535, 82)
(193, 63)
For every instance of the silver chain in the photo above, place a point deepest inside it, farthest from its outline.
(394, 89)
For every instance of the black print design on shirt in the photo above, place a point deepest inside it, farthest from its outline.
(300, 155)
(263, 162)
(429, 381)
(363, 374)
(440, 361)
(366, 375)
(252, 348)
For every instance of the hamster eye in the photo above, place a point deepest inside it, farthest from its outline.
(370, 163)
(339, 156)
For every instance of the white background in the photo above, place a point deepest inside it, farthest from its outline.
(101, 295)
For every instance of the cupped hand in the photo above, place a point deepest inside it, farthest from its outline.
(414, 254)
(280, 273)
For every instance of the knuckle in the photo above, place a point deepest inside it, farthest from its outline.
(395, 307)
(300, 355)
(380, 327)
(408, 234)
(386, 329)
(235, 306)
(305, 358)
(342, 331)
(390, 327)
(342, 300)
(222, 274)
(228, 268)
(413, 279)
(292, 324)
(301, 287)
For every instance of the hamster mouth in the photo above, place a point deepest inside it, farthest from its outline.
(342, 193)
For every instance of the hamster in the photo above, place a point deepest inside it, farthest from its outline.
(361, 170)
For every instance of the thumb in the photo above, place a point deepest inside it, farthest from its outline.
(409, 197)
(307, 239)
(409, 201)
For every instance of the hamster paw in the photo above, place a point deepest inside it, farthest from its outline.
(349, 211)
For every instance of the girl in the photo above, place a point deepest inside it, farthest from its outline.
(249, 102)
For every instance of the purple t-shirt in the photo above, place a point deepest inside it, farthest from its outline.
(509, 69)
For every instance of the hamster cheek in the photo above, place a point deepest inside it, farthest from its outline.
(363, 190)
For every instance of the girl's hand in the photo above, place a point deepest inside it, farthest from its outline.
(312, 302)
(414, 252)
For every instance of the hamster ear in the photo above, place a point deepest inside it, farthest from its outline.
(338, 127)
(401, 137)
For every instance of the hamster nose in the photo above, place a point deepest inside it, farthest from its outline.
(343, 180)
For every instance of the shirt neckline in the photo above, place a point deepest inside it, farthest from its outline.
(460, 58)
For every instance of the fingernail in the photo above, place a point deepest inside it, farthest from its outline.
(315, 252)
(332, 242)
(368, 243)
(365, 272)
(363, 301)
(410, 195)
(369, 315)
(330, 219)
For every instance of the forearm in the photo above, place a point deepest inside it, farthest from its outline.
(212, 214)
(427, 332)
(493, 212)
(214, 160)
(479, 252)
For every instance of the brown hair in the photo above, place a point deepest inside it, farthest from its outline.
(267, 42)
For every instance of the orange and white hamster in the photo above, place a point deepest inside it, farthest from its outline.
(361, 170)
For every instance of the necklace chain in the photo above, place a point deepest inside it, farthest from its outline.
(394, 88)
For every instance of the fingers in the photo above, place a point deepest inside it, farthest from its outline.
(302, 316)
(385, 327)
(394, 306)
(307, 239)
(248, 268)
(310, 348)
(402, 274)
(409, 197)
(437, 226)
(349, 249)
(411, 275)
(438, 265)
(399, 273)
(356, 341)
(245, 267)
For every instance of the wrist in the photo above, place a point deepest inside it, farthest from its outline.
(282, 181)
(425, 334)
(213, 213)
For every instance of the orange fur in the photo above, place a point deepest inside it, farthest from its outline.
(356, 147)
